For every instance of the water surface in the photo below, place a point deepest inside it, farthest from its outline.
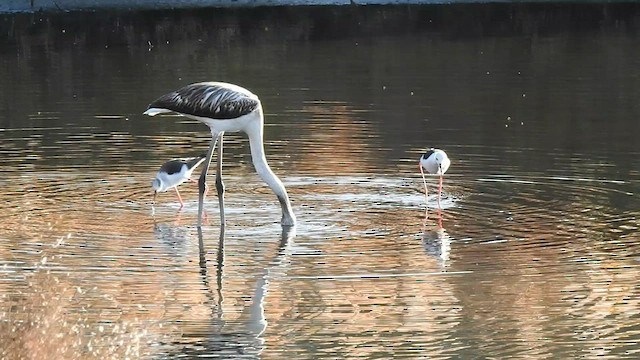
(534, 254)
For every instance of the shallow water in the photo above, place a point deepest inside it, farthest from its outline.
(534, 254)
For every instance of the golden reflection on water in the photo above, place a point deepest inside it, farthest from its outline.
(527, 258)
(91, 271)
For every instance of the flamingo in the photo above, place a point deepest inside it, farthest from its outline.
(224, 108)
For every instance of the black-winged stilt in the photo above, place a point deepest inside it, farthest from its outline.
(225, 108)
(173, 173)
(434, 162)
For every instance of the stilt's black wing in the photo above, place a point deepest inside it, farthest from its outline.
(428, 153)
(175, 165)
(172, 166)
(195, 161)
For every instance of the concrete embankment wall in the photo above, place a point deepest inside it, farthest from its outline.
(8, 6)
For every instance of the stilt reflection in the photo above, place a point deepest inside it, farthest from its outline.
(435, 239)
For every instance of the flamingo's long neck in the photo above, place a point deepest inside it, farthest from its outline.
(255, 132)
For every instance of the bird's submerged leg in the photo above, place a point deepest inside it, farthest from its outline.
(219, 183)
(426, 197)
(202, 181)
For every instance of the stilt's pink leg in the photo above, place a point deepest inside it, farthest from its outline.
(179, 197)
(439, 191)
(206, 187)
(426, 197)
(206, 191)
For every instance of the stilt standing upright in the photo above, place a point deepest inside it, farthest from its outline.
(435, 162)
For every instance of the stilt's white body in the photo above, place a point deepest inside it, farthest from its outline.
(436, 163)
(167, 181)
(228, 108)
